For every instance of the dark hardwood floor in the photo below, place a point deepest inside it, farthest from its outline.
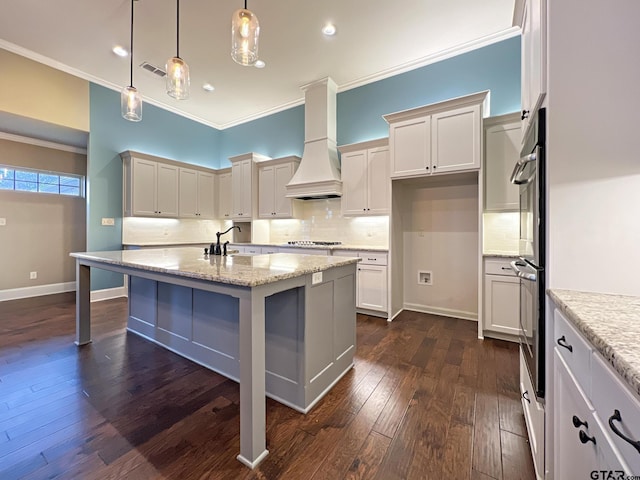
(426, 400)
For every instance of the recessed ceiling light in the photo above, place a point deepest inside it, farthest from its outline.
(208, 87)
(329, 29)
(260, 64)
(120, 51)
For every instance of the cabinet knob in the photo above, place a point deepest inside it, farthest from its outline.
(427, 168)
(434, 167)
(578, 423)
(525, 114)
(584, 438)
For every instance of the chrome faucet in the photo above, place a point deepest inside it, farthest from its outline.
(215, 249)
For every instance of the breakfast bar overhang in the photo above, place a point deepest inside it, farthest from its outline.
(312, 295)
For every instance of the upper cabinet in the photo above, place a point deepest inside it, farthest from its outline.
(501, 150)
(439, 138)
(244, 185)
(365, 178)
(225, 204)
(150, 187)
(534, 59)
(273, 176)
(196, 198)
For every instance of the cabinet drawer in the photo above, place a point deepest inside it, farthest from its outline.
(574, 350)
(612, 394)
(534, 418)
(373, 258)
(498, 267)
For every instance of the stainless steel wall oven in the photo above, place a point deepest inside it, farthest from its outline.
(529, 174)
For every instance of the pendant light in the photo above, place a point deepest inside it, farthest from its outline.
(244, 36)
(130, 98)
(177, 69)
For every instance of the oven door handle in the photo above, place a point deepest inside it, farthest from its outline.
(520, 168)
(515, 266)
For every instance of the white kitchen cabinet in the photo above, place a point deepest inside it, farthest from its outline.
(586, 392)
(501, 298)
(534, 58)
(196, 199)
(455, 139)
(244, 186)
(225, 204)
(442, 138)
(534, 418)
(372, 282)
(150, 187)
(501, 150)
(273, 177)
(365, 178)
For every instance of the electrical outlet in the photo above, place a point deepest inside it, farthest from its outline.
(108, 222)
(3, 222)
(316, 278)
(33, 275)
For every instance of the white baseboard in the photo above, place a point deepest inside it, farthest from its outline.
(445, 312)
(109, 293)
(38, 291)
(53, 288)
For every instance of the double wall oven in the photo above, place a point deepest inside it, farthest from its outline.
(529, 174)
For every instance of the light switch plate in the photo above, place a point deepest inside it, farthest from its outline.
(316, 278)
(3, 222)
(109, 222)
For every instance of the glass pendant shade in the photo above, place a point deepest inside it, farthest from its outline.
(245, 30)
(178, 80)
(131, 104)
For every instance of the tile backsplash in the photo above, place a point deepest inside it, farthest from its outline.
(500, 232)
(166, 231)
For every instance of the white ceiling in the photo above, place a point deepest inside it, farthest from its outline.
(375, 39)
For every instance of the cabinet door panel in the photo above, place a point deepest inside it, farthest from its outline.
(144, 187)
(266, 179)
(379, 182)
(502, 303)
(224, 196)
(206, 195)
(167, 192)
(372, 287)
(283, 205)
(237, 189)
(502, 146)
(188, 203)
(456, 140)
(410, 144)
(354, 183)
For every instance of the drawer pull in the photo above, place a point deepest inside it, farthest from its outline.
(371, 259)
(578, 423)
(506, 268)
(584, 438)
(616, 416)
(525, 395)
(563, 343)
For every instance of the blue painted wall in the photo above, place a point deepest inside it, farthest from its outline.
(495, 68)
(159, 133)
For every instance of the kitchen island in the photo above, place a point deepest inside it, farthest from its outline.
(283, 325)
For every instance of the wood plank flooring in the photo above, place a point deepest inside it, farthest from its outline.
(426, 400)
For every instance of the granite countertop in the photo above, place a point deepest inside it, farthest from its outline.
(243, 270)
(611, 323)
(500, 254)
(319, 247)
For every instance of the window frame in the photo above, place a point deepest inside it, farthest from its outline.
(38, 183)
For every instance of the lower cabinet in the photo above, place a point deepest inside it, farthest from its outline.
(372, 280)
(534, 418)
(586, 395)
(501, 298)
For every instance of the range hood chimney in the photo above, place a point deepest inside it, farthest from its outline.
(318, 175)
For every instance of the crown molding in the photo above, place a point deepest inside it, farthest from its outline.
(42, 143)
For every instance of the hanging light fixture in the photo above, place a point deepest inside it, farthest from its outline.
(130, 98)
(177, 69)
(244, 36)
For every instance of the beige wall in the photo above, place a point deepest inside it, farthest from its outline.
(31, 89)
(41, 229)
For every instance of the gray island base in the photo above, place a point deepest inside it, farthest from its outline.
(282, 325)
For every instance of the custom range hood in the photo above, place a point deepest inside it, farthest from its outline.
(318, 175)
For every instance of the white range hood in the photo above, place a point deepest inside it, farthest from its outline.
(318, 175)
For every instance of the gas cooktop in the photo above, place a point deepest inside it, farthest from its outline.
(303, 243)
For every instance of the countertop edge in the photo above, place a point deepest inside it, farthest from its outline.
(630, 373)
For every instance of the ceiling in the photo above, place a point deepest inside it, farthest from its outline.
(375, 39)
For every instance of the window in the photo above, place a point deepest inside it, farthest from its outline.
(40, 181)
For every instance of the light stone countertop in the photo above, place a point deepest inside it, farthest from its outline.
(500, 254)
(611, 323)
(239, 269)
(368, 248)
